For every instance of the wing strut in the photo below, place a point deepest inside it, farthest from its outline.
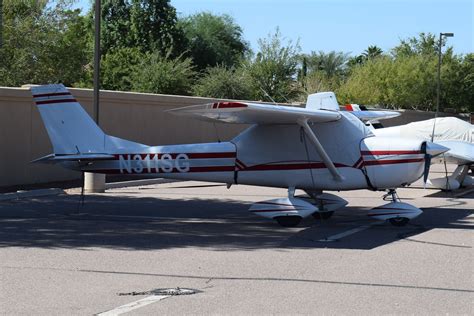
(319, 148)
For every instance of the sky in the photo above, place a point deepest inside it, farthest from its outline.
(343, 25)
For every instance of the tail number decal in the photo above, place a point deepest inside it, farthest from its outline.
(153, 163)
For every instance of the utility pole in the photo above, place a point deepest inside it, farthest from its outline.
(1, 23)
(97, 60)
(95, 182)
(438, 83)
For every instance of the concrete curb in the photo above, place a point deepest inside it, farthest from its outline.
(135, 183)
(29, 194)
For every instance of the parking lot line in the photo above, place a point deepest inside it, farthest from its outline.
(133, 305)
(347, 233)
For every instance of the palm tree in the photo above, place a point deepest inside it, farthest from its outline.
(372, 52)
(332, 63)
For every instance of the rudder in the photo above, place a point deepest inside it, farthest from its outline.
(70, 128)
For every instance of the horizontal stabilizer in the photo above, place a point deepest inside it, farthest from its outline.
(52, 158)
(254, 113)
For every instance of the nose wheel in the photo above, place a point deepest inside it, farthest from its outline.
(399, 221)
(395, 221)
(396, 212)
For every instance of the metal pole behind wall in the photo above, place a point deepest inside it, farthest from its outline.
(97, 60)
(1, 23)
(95, 182)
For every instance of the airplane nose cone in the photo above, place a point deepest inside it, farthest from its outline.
(434, 149)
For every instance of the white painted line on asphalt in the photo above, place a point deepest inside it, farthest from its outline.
(30, 194)
(133, 305)
(186, 220)
(348, 233)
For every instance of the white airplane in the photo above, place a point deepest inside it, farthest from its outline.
(451, 132)
(313, 149)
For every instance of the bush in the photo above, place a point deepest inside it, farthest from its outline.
(162, 74)
(224, 83)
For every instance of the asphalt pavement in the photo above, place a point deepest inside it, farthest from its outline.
(111, 254)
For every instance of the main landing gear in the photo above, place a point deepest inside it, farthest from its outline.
(288, 212)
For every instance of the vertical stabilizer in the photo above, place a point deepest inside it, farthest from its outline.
(70, 129)
(322, 101)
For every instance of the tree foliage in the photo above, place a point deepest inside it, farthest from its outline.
(163, 74)
(225, 83)
(213, 40)
(42, 43)
(149, 25)
(119, 66)
(274, 69)
(146, 48)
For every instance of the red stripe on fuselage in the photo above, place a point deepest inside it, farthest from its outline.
(228, 105)
(390, 152)
(312, 165)
(174, 170)
(391, 162)
(189, 155)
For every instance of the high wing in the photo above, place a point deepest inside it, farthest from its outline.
(254, 113)
(368, 115)
(374, 115)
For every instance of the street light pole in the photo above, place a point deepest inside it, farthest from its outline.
(438, 83)
(97, 60)
(95, 182)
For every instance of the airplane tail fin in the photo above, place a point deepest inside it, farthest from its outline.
(70, 129)
(322, 101)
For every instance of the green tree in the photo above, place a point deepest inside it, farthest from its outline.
(457, 78)
(118, 68)
(154, 27)
(163, 74)
(332, 63)
(224, 83)
(115, 26)
(424, 44)
(213, 40)
(43, 43)
(372, 52)
(274, 69)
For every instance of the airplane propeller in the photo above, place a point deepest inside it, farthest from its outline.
(430, 150)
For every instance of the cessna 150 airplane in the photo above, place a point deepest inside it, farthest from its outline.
(314, 148)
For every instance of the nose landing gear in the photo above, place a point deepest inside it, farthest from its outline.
(396, 212)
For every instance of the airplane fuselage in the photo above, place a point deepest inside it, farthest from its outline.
(280, 156)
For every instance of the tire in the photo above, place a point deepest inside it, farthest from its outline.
(288, 221)
(323, 215)
(399, 221)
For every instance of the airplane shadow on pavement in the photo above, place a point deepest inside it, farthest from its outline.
(141, 223)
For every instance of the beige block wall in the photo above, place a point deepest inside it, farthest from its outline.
(135, 116)
(138, 117)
